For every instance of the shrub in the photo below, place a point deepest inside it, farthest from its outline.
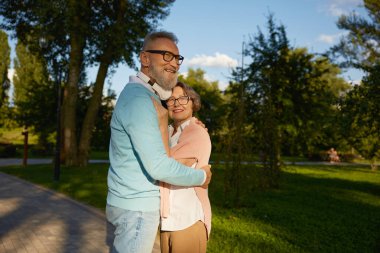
(348, 157)
(7, 150)
(320, 156)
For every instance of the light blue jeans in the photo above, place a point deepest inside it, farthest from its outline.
(135, 231)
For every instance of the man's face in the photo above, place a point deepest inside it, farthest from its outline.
(165, 73)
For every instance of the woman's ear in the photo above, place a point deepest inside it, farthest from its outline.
(144, 59)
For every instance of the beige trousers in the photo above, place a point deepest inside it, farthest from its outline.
(156, 245)
(190, 240)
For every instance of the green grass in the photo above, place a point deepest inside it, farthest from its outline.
(316, 208)
(87, 185)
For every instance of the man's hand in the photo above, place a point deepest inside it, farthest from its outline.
(207, 169)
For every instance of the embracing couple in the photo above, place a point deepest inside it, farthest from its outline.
(159, 174)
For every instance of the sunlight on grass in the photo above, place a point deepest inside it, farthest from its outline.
(15, 136)
(362, 197)
(350, 173)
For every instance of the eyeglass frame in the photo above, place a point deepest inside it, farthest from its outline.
(179, 58)
(177, 99)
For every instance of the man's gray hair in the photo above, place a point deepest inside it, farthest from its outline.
(158, 35)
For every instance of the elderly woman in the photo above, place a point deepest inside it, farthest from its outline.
(185, 211)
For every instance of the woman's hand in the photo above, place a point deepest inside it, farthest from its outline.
(187, 161)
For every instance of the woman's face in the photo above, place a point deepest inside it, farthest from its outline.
(182, 109)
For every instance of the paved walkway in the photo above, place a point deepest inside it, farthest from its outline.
(34, 219)
(18, 161)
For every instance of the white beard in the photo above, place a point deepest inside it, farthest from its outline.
(165, 82)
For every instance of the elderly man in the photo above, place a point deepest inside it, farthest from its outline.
(138, 158)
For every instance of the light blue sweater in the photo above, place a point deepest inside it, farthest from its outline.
(137, 154)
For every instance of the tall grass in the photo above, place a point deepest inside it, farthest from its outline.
(316, 208)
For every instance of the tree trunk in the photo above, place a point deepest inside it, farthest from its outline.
(91, 114)
(69, 106)
(373, 165)
(96, 99)
(77, 44)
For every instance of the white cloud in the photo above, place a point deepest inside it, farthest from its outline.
(218, 60)
(335, 10)
(223, 85)
(210, 78)
(330, 39)
(11, 73)
(340, 7)
(184, 74)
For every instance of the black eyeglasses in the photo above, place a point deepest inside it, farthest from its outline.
(181, 100)
(168, 56)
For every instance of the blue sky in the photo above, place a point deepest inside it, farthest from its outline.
(211, 32)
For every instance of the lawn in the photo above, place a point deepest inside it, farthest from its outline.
(316, 208)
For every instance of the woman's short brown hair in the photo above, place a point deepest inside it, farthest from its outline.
(194, 96)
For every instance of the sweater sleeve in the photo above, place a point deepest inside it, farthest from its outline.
(141, 124)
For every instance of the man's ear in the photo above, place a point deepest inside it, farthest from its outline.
(144, 59)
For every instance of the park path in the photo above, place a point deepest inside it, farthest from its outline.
(35, 219)
(18, 161)
(30, 161)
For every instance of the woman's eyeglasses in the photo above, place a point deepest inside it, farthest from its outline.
(181, 100)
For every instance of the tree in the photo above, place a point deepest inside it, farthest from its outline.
(5, 52)
(360, 49)
(59, 25)
(34, 95)
(116, 37)
(360, 113)
(102, 126)
(263, 81)
(288, 98)
(236, 139)
(81, 33)
(309, 103)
